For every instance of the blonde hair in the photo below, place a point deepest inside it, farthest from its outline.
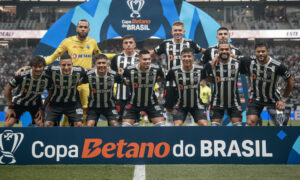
(178, 23)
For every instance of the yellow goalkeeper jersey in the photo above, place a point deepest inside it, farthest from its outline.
(81, 52)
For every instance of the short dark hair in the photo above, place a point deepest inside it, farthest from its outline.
(224, 42)
(65, 56)
(187, 50)
(100, 56)
(37, 60)
(143, 51)
(261, 44)
(223, 28)
(84, 20)
(128, 36)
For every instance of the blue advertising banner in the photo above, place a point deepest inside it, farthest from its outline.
(150, 145)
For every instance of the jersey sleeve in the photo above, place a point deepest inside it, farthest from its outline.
(96, 50)
(244, 64)
(58, 52)
(284, 72)
(170, 75)
(207, 71)
(15, 81)
(160, 49)
(161, 73)
(113, 64)
(206, 57)
(196, 47)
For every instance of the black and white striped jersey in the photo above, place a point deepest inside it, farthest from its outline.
(65, 86)
(188, 85)
(264, 78)
(173, 50)
(142, 84)
(212, 51)
(225, 78)
(28, 90)
(101, 88)
(118, 64)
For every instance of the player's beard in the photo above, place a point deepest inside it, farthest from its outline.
(224, 58)
(82, 36)
(262, 59)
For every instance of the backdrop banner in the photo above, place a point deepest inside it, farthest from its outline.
(150, 145)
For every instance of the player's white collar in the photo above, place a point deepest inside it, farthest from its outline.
(185, 70)
(97, 75)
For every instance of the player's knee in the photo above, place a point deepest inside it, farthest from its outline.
(178, 123)
(49, 124)
(9, 123)
(113, 123)
(202, 123)
(78, 124)
(126, 124)
(90, 123)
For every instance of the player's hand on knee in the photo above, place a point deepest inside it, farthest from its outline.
(280, 105)
(40, 115)
(9, 113)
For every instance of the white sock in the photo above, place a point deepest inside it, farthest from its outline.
(215, 124)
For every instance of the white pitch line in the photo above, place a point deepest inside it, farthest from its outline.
(139, 172)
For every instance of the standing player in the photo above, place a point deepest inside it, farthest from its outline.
(211, 52)
(118, 64)
(172, 49)
(264, 73)
(29, 85)
(187, 78)
(65, 96)
(225, 94)
(101, 82)
(141, 79)
(205, 94)
(81, 48)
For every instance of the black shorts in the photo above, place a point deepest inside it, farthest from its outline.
(255, 108)
(19, 110)
(217, 112)
(73, 112)
(133, 112)
(170, 96)
(181, 113)
(109, 113)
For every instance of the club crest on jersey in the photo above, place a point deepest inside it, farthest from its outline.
(9, 143)
(74, 56)
(88, 46)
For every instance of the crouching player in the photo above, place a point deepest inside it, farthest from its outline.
(187, 78)
(101, 82)
(65, 96)
(29, 85)
(141, 79)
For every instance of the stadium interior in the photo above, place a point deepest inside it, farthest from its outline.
(233, 14)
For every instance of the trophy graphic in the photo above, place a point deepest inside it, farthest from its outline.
(9, 143)
(135, 3)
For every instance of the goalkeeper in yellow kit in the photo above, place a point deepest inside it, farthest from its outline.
(81, 48)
